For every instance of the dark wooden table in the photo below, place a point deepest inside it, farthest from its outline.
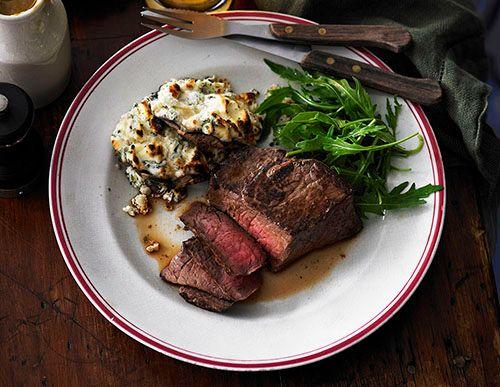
(447, 334)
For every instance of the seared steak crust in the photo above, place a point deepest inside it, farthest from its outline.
(204, 300)
(185, 269)
(290, 206)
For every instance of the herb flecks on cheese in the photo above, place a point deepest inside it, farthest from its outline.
(209, 106)
(156, 138)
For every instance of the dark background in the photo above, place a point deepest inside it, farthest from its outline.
(490, 12)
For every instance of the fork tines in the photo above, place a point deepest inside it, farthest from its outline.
(186, 24)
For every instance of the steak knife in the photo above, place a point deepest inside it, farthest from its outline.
(280, 38)
(421, 90)
(196, 25)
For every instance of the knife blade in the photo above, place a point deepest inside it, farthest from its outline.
(392, 38)
(421, 90)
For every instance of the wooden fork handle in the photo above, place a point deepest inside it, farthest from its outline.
(420, 90)
(392, 38)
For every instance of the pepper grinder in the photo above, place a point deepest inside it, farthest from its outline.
(21, 148)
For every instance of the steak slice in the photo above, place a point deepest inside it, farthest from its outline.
(204, 300)
(196, 267)
(184, 269)
(237, 288)
(236, 251)
(290, 206)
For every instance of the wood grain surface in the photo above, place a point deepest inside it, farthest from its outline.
(419, 90)
(50, 334)
(392, 38)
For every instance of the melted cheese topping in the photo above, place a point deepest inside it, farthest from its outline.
(149, 138)
(209, 106)
(164, 155)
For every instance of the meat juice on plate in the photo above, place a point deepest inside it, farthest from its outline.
(304, 273)
(149, 231)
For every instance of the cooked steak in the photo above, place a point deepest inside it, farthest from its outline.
(237, 288)
(290, 206)
(184, 269)
(232, 247)
(195, 266)
(204, 300)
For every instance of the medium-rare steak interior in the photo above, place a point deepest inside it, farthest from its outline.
(290, 206)
(236, 251)
(195, 267)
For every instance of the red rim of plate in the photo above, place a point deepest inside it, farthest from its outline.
(137, 333)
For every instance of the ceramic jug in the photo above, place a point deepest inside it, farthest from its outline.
(35, 50)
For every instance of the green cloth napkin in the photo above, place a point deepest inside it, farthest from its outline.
(448, 45)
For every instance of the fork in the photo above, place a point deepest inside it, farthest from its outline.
(192, 25)
(195, 25)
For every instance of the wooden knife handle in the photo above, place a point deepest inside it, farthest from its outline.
(420, 90)
(391, 38)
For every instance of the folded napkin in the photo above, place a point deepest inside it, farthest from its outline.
(448, 45)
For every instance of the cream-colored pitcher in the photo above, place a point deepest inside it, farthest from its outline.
(35, 50)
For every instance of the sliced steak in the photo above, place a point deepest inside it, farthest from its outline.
(232, 247)
(290, 206)
(204, 300)
(196, 267)
(237, 288)
(184, 269)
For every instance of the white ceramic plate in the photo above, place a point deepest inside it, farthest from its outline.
(384, 265)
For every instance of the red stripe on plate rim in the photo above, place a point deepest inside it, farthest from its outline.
(201, 359)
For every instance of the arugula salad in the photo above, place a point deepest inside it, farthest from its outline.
(336, 122)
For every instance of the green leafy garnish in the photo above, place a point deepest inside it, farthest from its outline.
(391, 117)
(336, 122)
(377, 203)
